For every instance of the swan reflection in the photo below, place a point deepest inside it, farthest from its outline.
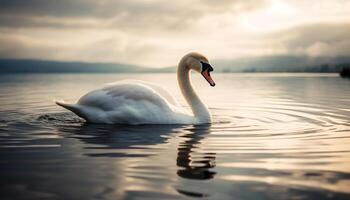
(193, 164)
(106, 140)
(133, 147)
(195, 167)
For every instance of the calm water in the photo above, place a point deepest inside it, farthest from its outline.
(274, 136)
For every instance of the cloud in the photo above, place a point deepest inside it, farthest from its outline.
(157, 33)
(139, 14)
(319, 39)
(110, 8)
(108, 30)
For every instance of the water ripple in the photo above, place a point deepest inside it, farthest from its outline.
(272, 136)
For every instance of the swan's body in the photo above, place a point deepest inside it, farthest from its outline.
(129, 102)
(137, 102)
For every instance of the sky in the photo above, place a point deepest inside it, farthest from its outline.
(156, 33)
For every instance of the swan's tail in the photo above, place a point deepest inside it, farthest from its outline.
(72, 107)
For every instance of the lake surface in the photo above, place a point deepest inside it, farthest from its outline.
(274, 136)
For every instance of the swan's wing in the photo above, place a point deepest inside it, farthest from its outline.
(163, 92)
(130, 103)
(120, 95)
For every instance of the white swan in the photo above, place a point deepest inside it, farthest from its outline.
(137, 102)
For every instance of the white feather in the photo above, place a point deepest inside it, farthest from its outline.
(138, 102)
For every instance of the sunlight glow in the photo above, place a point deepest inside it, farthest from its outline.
(278, 15)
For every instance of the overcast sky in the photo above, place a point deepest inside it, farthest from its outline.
(157, 33)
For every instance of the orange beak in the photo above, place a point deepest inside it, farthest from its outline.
(207, 77)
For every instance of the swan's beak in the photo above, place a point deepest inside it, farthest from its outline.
(206, 75)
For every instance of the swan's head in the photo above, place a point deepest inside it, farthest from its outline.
(200, 63)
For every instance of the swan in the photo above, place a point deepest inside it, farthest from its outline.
(137, 102)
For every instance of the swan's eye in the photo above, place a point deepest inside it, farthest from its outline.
(206, 66)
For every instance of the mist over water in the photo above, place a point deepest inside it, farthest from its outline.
(274, 136)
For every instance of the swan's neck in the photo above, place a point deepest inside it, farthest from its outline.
(200, 111)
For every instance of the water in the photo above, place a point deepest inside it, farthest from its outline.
(274, 136)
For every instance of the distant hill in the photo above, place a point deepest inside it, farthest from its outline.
(278, 64)
(43, 66)
(282, 64)
(257, 64)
